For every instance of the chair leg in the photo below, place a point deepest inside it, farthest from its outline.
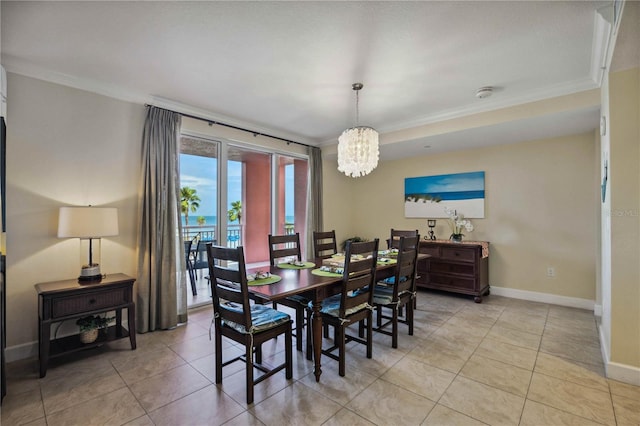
(410, 318)
(379, 316)
(218, 357)
(340, 337)
(299, 327)
(192, 277)
(370, 335)
(249, 373)
(259, 354)
(309, 337)
(394, 328)
(288, 354)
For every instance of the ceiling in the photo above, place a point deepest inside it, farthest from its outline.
(286, 68)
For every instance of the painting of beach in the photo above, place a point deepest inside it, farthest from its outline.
(428, 196)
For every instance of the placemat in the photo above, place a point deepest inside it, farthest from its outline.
(306, 265)
(319, 272)
(272, 279)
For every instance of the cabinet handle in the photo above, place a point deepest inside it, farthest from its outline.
(92, 301)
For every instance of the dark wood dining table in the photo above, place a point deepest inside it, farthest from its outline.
(314, 287)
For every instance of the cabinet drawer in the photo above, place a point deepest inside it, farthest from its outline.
(450, 281)
(452, 268)
(63, 306)
(431, 250)
(460, 254)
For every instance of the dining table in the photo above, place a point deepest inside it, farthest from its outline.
(302, 281)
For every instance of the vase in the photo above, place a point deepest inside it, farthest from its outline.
(456, 238)
(89, 336)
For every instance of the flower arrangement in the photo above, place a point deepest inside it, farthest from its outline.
(458, 223)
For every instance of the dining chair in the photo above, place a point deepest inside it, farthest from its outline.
(394, 240)
(248, 324)
(189, 254)
(398, 291)
(324, 244)
(283, 246)
(354, 304)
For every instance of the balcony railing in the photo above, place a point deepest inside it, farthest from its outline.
(234, 233)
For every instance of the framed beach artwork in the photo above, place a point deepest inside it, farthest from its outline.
(428, 196)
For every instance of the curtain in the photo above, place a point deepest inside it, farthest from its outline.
(314, 197)
(162, 280)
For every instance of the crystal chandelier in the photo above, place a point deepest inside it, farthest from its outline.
(358, 147)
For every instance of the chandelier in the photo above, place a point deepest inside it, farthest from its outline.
(358, 147)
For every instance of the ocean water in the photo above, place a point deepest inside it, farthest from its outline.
(212, 220)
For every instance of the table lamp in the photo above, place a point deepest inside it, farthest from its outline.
(88, 223)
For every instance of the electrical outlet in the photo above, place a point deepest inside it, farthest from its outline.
(551, 271)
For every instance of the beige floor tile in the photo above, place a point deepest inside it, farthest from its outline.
(143, 365)
(571, 371)
(536, 414)
(515, 337)
(420, 378)
(459, 334)
(159, 390)
(567, 313)
(42, 421)
(181, 332)
(195, 348)
(296, 405)
(627, 410)
(442, 354)
(497, 374)
(384, 357)
(115, 408)
(235, 385)
(573, 398)
(469, 326)
(584, 328)
(510, 354)
(207, 365)
(384, 403)
(244, 419)
(347, 417)
(521, 322)
(208, 406)
(572, 349)
(21, 408)
(339, 389)
(91, 380)
(441, 415)
(624, 389)
(141, 421)
(482, 402)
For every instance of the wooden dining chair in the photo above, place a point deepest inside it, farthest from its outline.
(354, 304)
(394, 240)
(248, 324)
(398, 291)
(283, 246)
(324, 244)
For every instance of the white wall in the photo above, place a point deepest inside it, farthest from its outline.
(64, 147)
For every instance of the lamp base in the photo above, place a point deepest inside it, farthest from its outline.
(90, 274)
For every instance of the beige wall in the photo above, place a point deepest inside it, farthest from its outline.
(539, 209)
(64, 147)
(624, 172)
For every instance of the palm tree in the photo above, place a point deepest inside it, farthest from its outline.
(189, 201)
(235, 213)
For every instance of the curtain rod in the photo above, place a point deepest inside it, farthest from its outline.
(212, 122)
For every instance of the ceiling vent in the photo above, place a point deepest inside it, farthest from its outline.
(484, 92)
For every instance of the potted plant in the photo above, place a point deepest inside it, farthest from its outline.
(91, 325)
(353, 240)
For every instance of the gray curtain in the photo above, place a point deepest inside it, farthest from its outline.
(314, 199)
(162, 281)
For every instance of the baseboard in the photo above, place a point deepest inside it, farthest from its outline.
(616, 371)
(553, 299)
(23, 351)
(597, 310)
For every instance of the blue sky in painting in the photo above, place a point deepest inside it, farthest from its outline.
(472, 181)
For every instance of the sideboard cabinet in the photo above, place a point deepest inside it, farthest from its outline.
(456, 267)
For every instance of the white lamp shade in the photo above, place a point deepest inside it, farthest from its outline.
(87, 222)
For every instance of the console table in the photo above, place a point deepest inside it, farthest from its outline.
(456, 267)
(68, 300)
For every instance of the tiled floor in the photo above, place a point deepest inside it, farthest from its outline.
(502, 362)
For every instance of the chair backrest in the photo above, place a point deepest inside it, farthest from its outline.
(394, 240)
(324, 244)
(405, 274)
(284, 246)
(359, 275)
(229, 287)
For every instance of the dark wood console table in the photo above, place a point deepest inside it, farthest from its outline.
(66, 300)
(455, 267)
